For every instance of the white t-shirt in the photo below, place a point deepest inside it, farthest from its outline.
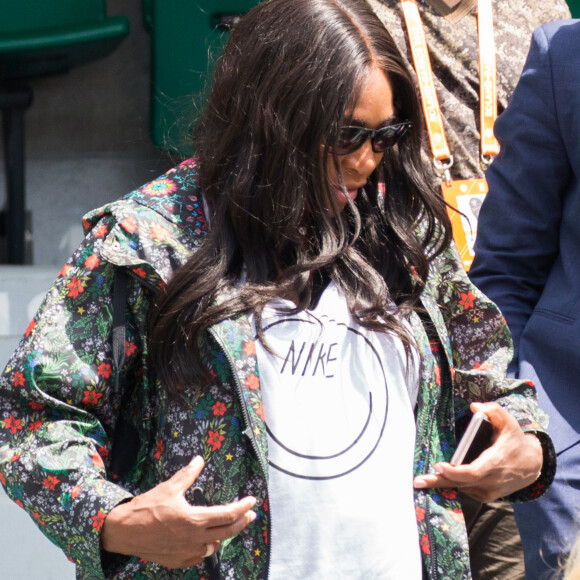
(341, 435)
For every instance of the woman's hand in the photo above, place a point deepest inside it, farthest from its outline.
(513, 462)
(161, 526)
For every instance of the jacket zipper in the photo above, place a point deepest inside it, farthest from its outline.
(443, 363)
(247, 431)
(430, 534)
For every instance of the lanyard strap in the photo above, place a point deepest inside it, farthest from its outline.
(442, 157)
(487, 82)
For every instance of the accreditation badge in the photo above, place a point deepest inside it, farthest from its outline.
(464, 197)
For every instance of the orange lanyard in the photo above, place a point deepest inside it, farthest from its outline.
(442, 158)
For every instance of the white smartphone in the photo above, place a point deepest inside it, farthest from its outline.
(475, 440)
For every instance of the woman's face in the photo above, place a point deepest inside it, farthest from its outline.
(374, 109)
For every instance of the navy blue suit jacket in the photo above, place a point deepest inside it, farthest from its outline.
(527, 252)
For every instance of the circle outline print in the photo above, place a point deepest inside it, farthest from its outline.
(335, 464)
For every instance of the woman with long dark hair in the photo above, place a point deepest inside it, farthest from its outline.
(287, 310)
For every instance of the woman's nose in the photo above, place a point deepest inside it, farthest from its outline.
(364, 160)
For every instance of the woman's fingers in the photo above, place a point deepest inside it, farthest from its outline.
(225, 516)
(185, 477)
(227, 521)
(210, 549)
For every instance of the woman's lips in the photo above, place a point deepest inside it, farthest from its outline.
(352, 192)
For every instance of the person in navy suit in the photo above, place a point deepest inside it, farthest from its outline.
(527, 260)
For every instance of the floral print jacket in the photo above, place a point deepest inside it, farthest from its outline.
(78, 435)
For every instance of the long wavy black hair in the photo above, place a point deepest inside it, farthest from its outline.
(290, 72)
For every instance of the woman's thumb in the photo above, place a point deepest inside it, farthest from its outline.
(186, 476)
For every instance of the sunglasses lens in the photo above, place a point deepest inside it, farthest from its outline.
(350, 139)
(388, 136)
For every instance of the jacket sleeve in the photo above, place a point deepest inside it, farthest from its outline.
(519, 223)
(481, 347)
(59, 408)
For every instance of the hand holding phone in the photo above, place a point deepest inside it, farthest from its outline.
(475, 440)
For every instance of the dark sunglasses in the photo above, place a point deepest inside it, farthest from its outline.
(351, 138)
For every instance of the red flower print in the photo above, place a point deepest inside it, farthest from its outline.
(140, 272)
(15, 457)
(65, 270)
(467, 300)
(35, 425)
(265, 534)
(159, 448)
(250, 348)
(103, 451)
(215, 439)
(36, 516)
(13, 424)
(260, 411)
(130, 348)
(2, 479)
(485, 366)
(252, 382)
(98, 520)
(30, 327)
(160, 187)
(420, 512)
(158, 232)
(50, 482)
(536, 490)
(105, 370)
(19, 380)
(91, 397)
(74, 492)
(100, 232)
(434, 345)
(219, 408)
(36, 406)
(130, 224)
(19, 503)
(425, 544)
(75, 287)
(97, 460)
(449, 493)
(437, 371)
(92, 262)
